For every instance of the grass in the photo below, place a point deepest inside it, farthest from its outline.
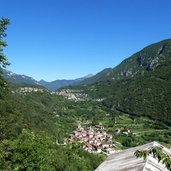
(142, 130)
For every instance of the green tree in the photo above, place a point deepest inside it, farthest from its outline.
(157, 153)
(38, 152)
(28, 152)
(3, 60)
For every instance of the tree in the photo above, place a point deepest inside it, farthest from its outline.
(157, 153)
(28, 152)
(38, 152)
(3, 60)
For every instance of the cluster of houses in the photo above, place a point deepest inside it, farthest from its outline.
(76, 95)
(94, 139)
(25, 90)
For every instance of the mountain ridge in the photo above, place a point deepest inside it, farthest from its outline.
(123, 69)
(18, 78)
(51, 85)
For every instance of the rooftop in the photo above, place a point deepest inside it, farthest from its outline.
(126, 161)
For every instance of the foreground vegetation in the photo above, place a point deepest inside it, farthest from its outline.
(37, 151)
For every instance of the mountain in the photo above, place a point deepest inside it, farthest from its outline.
(138, 64)
(54, 85)
(96, 77)
(148, 59)
(140, 85)
(18, 79)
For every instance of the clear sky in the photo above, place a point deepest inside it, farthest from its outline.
(55, 39)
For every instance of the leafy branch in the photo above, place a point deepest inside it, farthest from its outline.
(157, 153)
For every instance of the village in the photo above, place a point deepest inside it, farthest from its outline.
(94, 139)
(76, 95)
(30, 89)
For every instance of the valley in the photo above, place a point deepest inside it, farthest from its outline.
(72, 125)
(68, 114)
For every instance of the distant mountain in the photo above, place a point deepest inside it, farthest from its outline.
(140, 85)
(54, 85)
(18, 79)
(95, 78)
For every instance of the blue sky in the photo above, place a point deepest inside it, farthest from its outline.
(56, 39)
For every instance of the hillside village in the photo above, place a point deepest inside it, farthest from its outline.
(94, 139)
(30, 89)
(76, 95)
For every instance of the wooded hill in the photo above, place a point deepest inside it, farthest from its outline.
(31, 126)
(140, 85)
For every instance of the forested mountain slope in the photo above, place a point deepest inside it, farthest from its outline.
(140, 85)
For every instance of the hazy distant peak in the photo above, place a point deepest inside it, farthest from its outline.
(88, 76)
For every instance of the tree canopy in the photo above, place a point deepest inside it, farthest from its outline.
(3, 26)
(3, 59)
(157, 153)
